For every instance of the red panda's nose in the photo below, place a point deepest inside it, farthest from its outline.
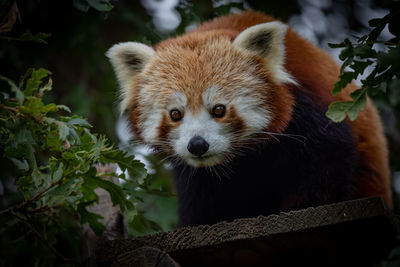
(197, 146)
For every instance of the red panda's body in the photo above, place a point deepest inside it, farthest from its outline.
(242, 110)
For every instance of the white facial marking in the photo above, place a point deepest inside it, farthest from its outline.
(153, 119)
(210, 97)
(249, 108)
(177, 100)
(150, 126)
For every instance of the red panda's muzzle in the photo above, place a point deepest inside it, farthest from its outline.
(198, 146)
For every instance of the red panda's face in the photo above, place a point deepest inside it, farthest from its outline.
(201, 102)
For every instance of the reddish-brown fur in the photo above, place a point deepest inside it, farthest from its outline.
(279, 97)
(315, 71)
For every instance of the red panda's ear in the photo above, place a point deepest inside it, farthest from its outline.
(128, 59)
(267, 40)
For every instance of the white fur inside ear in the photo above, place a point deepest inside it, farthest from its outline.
(267, 40)
(128, 59)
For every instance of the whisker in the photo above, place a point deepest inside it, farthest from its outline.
(169, 157)
(245, 137)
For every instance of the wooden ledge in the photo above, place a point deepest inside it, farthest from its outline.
(358, 232)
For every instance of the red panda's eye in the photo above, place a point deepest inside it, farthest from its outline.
(175, 115)
(218, 111)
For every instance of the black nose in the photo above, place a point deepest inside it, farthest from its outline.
(197, 146)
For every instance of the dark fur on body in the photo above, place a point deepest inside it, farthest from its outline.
(315, 166)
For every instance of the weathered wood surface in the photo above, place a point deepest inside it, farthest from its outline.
(353, 232)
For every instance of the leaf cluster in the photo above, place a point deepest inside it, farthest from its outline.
(49, 175)
(384, 65)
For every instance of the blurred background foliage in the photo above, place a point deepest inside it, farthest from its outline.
(73, 36)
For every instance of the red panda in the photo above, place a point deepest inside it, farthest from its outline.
(239, 105)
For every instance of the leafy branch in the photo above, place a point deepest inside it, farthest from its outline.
(39, 194)
(383, 79)
(52, 157)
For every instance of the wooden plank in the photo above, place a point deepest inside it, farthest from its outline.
(358, 231)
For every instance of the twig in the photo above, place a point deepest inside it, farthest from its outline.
(9, 108)
(40, 209)
(44, 190)
(40, 193)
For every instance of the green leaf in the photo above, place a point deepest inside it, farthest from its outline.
(59, 192)
(345, 64)
(117, 194)
(389, 59)
(131, 188)
(30, 154)
(346, 53)
(49, 108)
(137, 172)
(79, 121)
(375, 90)
(136, 169)
(87, 141)
(21, 165)
(23, 136)
(63, 131)
(345, 78)
(379, 24)
(91, 219)
(73, 137)
(129, 215)
(358, 93)
(32, 107)
(35, 80)
(373, 35)
(359, 103)
(19, 95)
(384, 77)
(360, 66)
(53, 141)
(345, 43)
(25, 184)
(340, 45)
(337, 110)
(63, 107)
(25, 77)
(364, 51)
(58, 173)
(141, 225)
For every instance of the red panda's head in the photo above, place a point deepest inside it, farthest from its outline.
(203, 96)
